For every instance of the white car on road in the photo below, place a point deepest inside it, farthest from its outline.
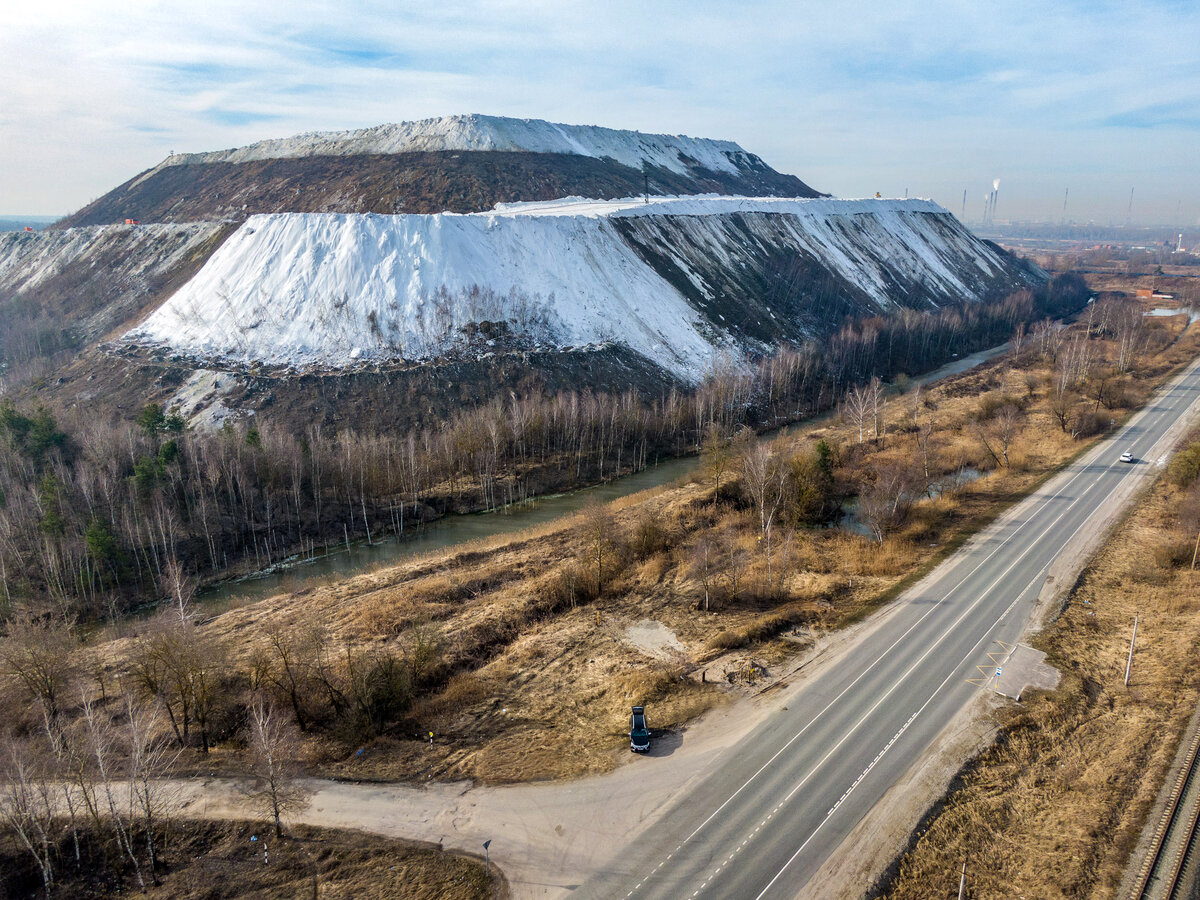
(1126, 457)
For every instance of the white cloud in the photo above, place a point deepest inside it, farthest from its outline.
(853, 97)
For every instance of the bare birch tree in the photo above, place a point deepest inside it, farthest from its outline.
(149, 757)
(703, 564)
(27, 807)
(180, 588)
(856, 407)
(765, 476)
(274, 744)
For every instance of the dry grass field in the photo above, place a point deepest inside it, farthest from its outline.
(1055, 806)
(523, 653)
(218, 860)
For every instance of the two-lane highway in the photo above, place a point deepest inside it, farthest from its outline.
(766, 817)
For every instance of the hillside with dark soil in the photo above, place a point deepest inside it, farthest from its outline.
(420, 182)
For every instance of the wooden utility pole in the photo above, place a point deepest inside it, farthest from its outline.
(1132, 641)
(1195, 551)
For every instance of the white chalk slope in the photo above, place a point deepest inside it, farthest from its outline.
(337, 290)
(29, 259)
(478, 132)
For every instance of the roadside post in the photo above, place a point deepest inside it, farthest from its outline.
(1132, 641)
(487, 858)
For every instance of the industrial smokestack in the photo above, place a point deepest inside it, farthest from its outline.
(963, 216)
(995, 196)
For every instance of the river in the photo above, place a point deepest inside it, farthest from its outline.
(454, 529)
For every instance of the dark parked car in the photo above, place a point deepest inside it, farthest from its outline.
(639, 733)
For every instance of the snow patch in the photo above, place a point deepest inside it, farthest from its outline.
(27, 259)
(337, 290)
(301, 289)
(496, 133)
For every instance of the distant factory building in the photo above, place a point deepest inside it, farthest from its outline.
(1149, 294)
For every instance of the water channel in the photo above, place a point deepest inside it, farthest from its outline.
(454, 529)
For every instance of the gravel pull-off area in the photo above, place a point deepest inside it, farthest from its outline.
(1024, 668)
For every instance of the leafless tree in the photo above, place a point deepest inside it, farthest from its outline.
(766, 476)
(1007, 426)
(716, 454)
(884, 502)
(38, 654)
(288, 665)
(274, 744)
(924, 436)
(734, 560)
(599, 530)
(149, 756)
(703, 563)
(1062, 407)
(878, 404)
(175, 663)
(916, 403)
(180, 588)
(1074, 364)
(104, 750)
(27, 807)
(1017, 342)
(856, 407)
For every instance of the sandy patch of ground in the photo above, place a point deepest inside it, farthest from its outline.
(655, 639)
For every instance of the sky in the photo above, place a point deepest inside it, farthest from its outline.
(933, 98)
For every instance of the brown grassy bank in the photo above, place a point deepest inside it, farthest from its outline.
(1055, 806)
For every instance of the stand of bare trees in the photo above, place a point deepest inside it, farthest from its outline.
(98, 515)
(80, 777)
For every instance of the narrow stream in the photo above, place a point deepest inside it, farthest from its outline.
(437, 535)
(459, 529)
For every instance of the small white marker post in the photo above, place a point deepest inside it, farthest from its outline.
(962, 881)
(487, 857)
(1132, 641)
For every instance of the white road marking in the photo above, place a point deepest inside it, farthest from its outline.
(864, 673)
(1089, 459)
(939, 688)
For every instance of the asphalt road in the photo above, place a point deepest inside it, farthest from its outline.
(764, 820)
